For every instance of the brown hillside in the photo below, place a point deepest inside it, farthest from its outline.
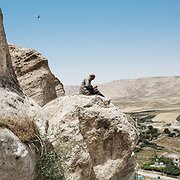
(149, 92)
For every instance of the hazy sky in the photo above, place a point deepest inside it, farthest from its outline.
(115, 39)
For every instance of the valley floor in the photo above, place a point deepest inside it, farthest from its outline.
(160, 118)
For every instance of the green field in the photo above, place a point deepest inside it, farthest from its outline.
(145, 119)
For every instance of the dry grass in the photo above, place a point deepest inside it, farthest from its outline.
(23, 127)
(170, 143)
(146, 154)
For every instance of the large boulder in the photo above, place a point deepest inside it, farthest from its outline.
(94, 139)
(21, 122)
(22, 115)
(18, 160)
(34, 75)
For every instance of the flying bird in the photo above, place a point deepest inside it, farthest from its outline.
(38, 16)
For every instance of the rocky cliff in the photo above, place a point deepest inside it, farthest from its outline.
(93, 137)
(7, 75)
(21, 120)
(34, 75)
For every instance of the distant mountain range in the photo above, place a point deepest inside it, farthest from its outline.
(161, 91)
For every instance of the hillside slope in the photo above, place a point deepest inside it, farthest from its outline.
(142, 87)
(149, 92)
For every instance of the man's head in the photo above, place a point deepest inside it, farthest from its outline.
(92, 77)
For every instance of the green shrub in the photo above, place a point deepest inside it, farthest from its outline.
(141, 126)
(152, 168)
(176, 130)
(172, 170)
(172, 134)
(49, 162)
(137, 149)
(165, 160)
(153, 131)
(49, 165)
(166, 131)
(178, 118)
(150, 128)
(145, 137)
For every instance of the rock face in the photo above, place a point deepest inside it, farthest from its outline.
(7, 75)
(93, 137)
(21, 120)
(34, 75)
(17, 160)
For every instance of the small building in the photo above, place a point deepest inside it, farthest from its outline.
(174, 157)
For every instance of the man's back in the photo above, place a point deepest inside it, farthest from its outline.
(85, 86)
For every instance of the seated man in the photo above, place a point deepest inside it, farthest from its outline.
(87, 89)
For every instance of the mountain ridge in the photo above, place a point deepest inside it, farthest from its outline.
(159, 91)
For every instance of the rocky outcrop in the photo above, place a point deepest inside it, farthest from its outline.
(7, 75)
(93, 137)
(17, 160)
(21, 121)
(34, 75)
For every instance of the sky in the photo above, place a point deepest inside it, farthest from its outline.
(114, 39)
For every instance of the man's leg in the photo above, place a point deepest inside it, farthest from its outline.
(96, 91)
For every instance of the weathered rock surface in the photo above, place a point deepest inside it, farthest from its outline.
(21, 120)
(17, 160)
(34, 75)
(94, 138)
(23, 113)
(7, 75)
